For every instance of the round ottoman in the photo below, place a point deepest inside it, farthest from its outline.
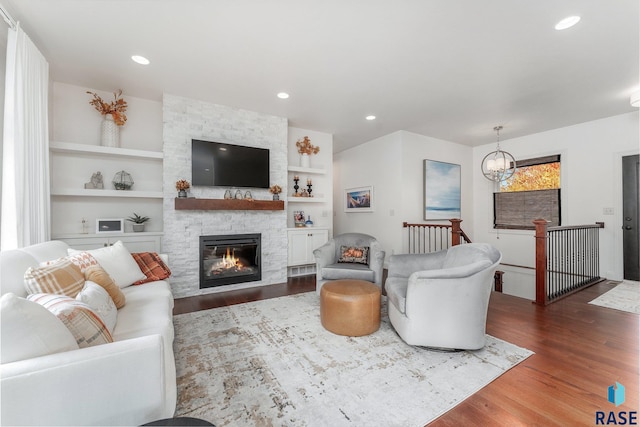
(350, 307)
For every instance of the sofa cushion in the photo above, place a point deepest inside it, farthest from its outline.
(149, 310)
(29, 330)
(96, 274)
(86, 326)
(347, 271)
(396, 288)
(118, 262)
(61, 277)
(96, 297)
(152, 266)
(354, 254)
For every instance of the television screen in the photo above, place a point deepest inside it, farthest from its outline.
(227, 165)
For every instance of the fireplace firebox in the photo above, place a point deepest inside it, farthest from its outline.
(227, 259)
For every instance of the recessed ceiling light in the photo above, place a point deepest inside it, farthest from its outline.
(140, 59)
(283, 95)
(567, 22)
(370, 118)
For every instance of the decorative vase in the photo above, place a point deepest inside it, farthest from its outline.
(304, 160)
(138, 227)
(276, 197)
(110, 132)
(308, 222)
(227, 195)
(182, 194)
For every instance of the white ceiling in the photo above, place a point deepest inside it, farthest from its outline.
(449, 69)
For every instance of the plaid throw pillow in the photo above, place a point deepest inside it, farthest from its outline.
(152, 266)
(85, 325)
(61, 277)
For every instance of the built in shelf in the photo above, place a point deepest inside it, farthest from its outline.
(300, 169)
(68, 147)
(106, 193)
(306, 199)
(228, 204)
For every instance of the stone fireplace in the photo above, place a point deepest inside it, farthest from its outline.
(186, 119)
(228, 259)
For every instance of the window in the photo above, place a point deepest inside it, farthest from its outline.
(533, 192)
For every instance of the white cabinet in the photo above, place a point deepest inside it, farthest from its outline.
(302, 242)
(134, 242)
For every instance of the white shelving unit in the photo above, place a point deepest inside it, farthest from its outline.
(73, 164)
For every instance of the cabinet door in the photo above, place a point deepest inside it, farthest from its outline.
(297, 242)
(85, 244)
(316, 239)
(139, 243)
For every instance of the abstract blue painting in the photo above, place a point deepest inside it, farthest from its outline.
(441, 190)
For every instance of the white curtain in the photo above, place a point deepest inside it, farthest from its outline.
(26, 213)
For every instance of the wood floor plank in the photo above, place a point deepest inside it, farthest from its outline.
(580, 350)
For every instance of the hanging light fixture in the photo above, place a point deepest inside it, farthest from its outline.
(498, 165)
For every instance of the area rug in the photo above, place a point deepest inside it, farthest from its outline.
(270, 363)
(624, 297)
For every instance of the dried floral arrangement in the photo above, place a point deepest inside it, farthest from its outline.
(182, 185)
(116, 108)
(305, 147)
(275, 189)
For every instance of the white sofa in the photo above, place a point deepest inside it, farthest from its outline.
(130, 381)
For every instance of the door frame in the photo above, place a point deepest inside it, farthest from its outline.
(616, 221)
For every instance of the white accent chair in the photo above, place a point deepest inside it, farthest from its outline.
(328, 268)
(440, 299)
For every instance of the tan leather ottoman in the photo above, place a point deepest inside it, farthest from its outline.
(350, 307)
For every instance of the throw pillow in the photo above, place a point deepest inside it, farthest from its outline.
(117, 262)
(96, 274)
(61, 277)
(85, 325)
(354, 254)
(96, 297)
(81, 259)
(30, 330)
(152, 266)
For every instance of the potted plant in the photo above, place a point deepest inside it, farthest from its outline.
(305, 149)
(275, 190)
(182, 186)
(138, 221)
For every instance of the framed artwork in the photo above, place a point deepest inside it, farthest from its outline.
(441, 190)
(358, 199)
(114, 225)
(298, 218)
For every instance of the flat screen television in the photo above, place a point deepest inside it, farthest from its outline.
(217, 164)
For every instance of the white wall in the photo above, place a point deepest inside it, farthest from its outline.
(393, 164)
(591, 176)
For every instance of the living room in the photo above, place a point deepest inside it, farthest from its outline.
(382, 154)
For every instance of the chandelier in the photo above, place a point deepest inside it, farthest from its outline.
(498, 165)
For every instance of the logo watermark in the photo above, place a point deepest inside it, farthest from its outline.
(615, 395)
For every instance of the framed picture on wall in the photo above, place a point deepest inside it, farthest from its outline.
(441, 190)
(110, 225)
(358, 199)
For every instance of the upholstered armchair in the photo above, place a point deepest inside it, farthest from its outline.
(334, 259)
(440, 299)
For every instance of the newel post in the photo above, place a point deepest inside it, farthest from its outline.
(455, 231)
(541, 261)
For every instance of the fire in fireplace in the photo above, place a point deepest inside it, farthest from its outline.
(227, 259)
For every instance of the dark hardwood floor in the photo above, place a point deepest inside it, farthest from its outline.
(580, 350)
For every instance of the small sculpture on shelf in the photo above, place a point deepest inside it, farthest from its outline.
(296, 178)
(122, 181)
(96, 182)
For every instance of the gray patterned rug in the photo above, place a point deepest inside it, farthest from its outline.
(625, 297)
(270, 363)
